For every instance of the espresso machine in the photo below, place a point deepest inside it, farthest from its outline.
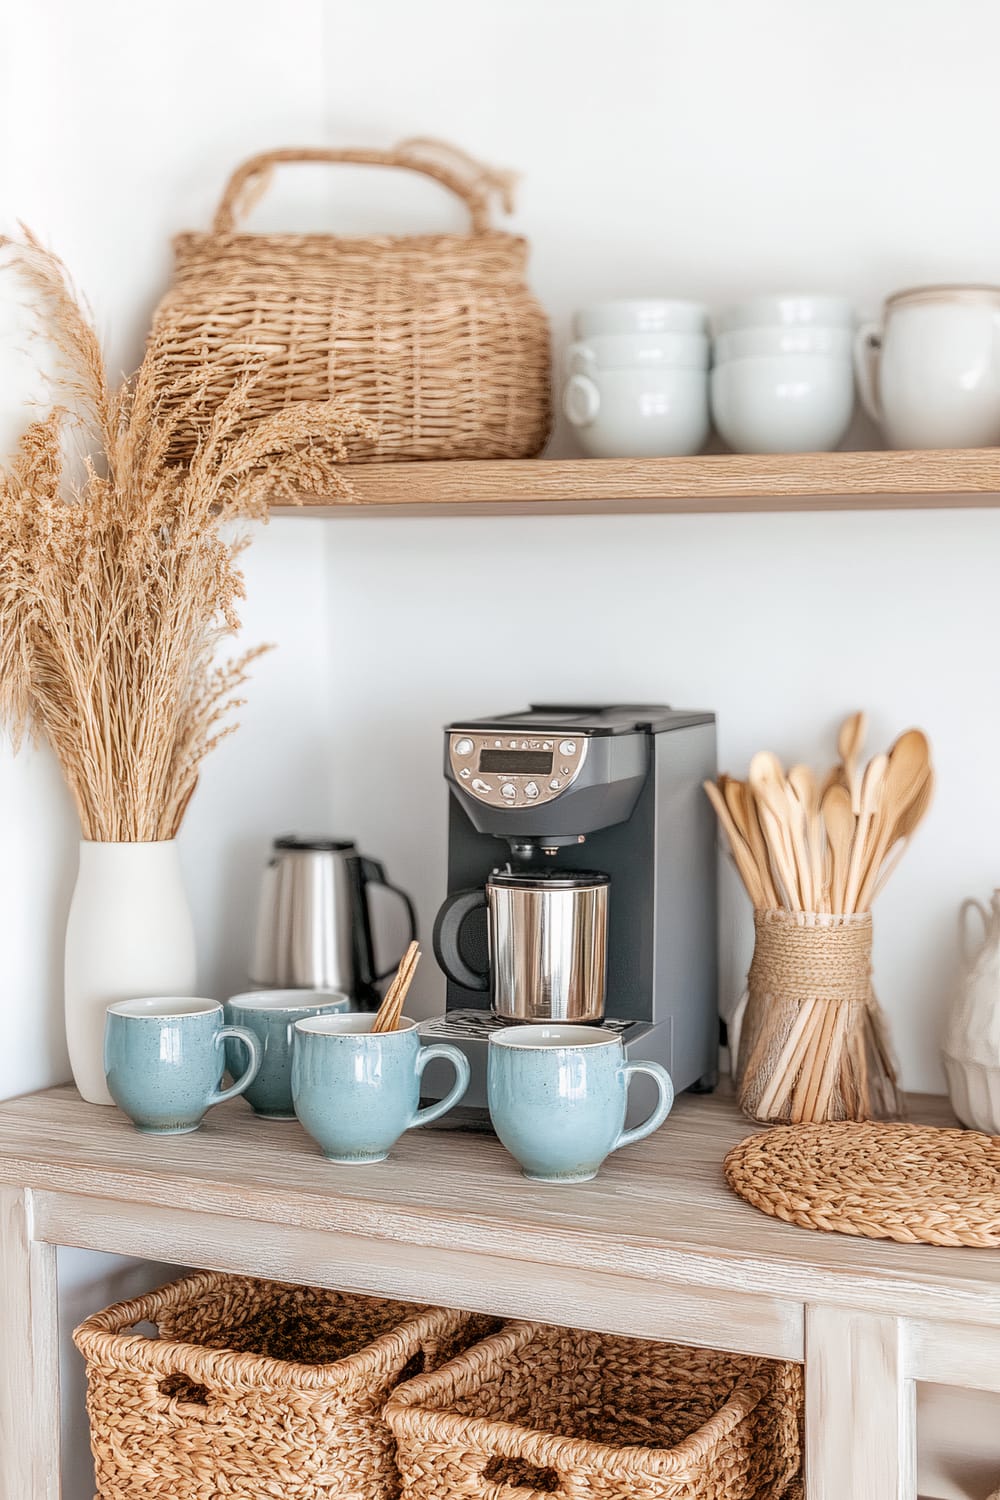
(581, 884)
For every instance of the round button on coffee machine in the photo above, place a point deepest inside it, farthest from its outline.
(508, 791)
(567, 747)
(464, 747)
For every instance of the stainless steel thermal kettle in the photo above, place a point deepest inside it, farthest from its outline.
(317, 925)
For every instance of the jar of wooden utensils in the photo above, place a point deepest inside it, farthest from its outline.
(812, 1043)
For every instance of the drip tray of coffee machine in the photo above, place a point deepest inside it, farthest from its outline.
(470, 1030)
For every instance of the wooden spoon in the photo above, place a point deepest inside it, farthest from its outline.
(767, 782)
(849, 743)
(839, 822)
(756, 839)
(906, 772)
(871, 792)
(744, 859)
(797, 832)
(903, 832)
(803, 783)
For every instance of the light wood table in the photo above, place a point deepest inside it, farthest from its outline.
(657, 1246)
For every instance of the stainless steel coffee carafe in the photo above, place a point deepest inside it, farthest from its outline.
(548, 943)
(318, 926)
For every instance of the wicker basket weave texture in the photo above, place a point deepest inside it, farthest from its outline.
(255, 1389)
(437, 339)
(534, 1410)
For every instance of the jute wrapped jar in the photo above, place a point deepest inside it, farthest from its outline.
(813, 1043)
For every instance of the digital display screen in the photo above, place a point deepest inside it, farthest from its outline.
(517, 762)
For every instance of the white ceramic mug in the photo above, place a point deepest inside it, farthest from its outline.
(785, 309)
(805, 338)
(641, 315)
(629, 351)
(929, 373)
(639, 413)
(783, 403)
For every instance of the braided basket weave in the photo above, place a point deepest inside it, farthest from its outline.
(255, 1388)
(535, 1410)
(436, 338)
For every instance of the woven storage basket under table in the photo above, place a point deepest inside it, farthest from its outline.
(255, 1389)
(536, 1410)
(436, 338)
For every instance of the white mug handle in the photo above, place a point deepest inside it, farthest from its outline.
(581, 400)
(867, 350)
(581, 359)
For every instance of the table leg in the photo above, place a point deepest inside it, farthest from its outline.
(29, 1357)
(860, 1408)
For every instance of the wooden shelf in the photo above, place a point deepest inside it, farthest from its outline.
(656, 1247)
(718, 483)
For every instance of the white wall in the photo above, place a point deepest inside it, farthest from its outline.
(117, 123)
(705, 150)
(697, 150)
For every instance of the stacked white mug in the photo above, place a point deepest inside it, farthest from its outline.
(783, 380)
(637, 379)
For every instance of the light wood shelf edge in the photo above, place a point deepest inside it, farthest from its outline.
(716, 483)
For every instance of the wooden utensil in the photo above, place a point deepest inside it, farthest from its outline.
(744, 860)
(758, 845)
(849, 743)
(803, 786)
(767, 782)
(906, 772)
(904, 831)
(871, 791)
(389, 1012)
(839, 822)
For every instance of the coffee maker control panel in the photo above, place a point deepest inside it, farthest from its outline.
(522, 770)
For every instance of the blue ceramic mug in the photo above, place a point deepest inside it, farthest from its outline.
(558, 1097)
(356, 1090)
(164, 1059)
(271, 1016)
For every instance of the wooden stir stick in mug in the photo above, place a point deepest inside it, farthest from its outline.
(389, 1012)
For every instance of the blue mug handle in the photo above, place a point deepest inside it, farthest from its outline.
(665, 1104)
(460, 1063)
(248, 1038)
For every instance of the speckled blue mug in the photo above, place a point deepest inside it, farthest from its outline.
(271, 1016)
(164, 1058)
(558, 1097)
(356, 1090)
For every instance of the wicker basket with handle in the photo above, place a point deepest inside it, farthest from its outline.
(436, 338)
(536, 1410)
(255, 1388)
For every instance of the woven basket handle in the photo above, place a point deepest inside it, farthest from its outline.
(469, 180)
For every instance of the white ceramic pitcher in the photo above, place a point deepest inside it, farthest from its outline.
(929, 374)
(971, 1051)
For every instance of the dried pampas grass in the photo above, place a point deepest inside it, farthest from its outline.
(117, 584)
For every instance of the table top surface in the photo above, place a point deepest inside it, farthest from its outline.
(659, 1210)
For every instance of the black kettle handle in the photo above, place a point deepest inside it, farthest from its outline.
(373, 873)
(447, 930)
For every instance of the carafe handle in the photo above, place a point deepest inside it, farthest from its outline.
(447, 932)
(372, 873)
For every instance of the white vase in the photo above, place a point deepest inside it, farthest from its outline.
(971, 1051)
(129, 935)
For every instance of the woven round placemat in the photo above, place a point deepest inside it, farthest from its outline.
(910, 1183)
